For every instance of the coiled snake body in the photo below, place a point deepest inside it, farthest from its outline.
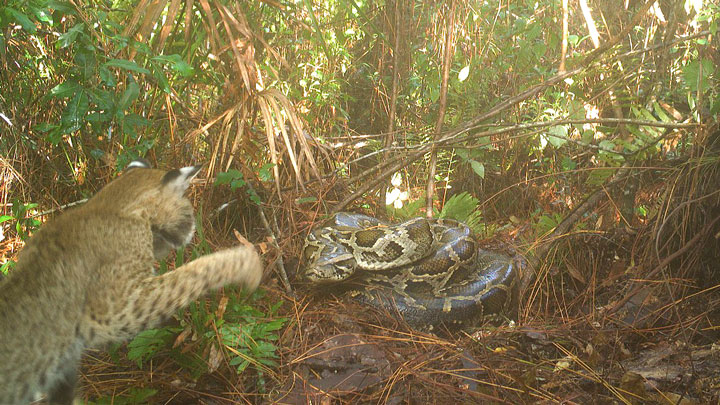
(430, 271)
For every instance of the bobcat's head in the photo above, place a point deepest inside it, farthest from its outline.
(156, 195)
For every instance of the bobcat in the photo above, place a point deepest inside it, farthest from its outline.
(86, 279)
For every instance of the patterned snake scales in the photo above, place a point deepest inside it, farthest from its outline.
(429, 271)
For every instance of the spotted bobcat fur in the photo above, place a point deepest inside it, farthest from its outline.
(87, 278)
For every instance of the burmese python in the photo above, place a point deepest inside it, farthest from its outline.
(428, 270)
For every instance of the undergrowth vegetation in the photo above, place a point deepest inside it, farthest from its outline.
(580, 136)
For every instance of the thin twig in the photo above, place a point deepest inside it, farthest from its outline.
(442, 106)
(455, 138)
(377, 180)
(273, 241)
(60, 208)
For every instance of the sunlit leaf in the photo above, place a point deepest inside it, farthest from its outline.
(65, 89)
(464, 72)
(177, 64)
(69, 37)
(557, 135)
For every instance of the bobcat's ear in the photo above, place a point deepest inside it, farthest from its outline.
(179, 179)
(139, 162)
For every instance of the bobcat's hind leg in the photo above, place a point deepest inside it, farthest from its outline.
(63, 391)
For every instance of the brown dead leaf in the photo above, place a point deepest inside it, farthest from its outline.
(617, 269)
(633, 383)
(182, 337)
(222, 305)
(576, 274)
(242, 239)
(672, 398)
(339, 365)
(215, 358)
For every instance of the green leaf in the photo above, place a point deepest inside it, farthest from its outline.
(21, 19)
(434, 94)
(478, 168)
(107, 76)
(304, 200)
(547, 223)
(568, 163)
(147, 344)
(228, 176)
(253, 196)
(691, 75)
(126, 65)
(74, 112)
(475, 152)
(645, 114)
(539, 49)
(131, 93)
(716, 106)
(177, 64)
(5, 218)
(163, 82)
(459, 207)
(5, 268)
(86, 63)
(65, 89)
(54, 136)
(97, 153)
(43, 16)
(63, 7)
(598, 177)
(136, 120)
(557, 135)
(265, 172)
(44, 127)
(69, 37)
(660, 112)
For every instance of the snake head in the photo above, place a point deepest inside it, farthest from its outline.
(326, 272)
(326, 261)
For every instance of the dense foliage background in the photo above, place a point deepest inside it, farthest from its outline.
(581, 136)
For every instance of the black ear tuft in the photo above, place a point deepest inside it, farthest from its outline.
(171, 176)
(179, 179)
(139, 162)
